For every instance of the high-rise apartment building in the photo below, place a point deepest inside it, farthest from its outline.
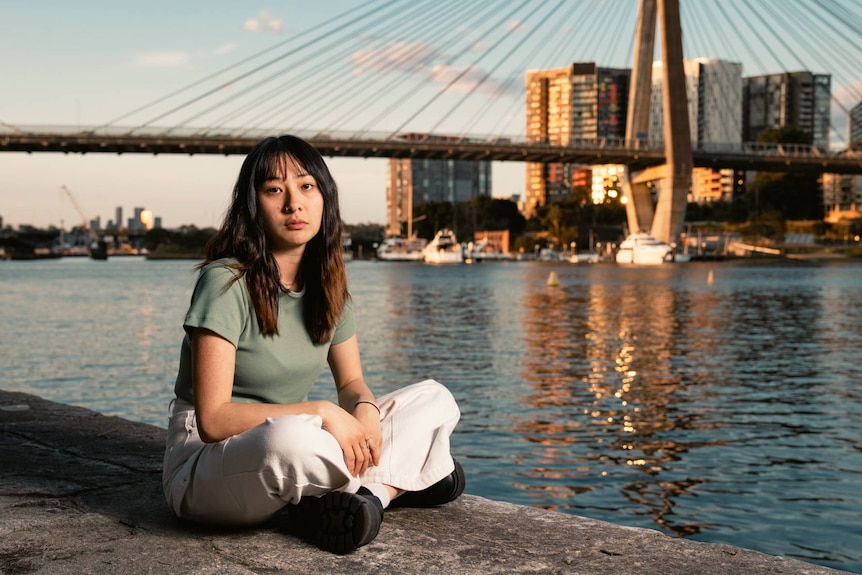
(714, 91)
(413, 182)
(581, 101)
(855, 127)
(799, 99)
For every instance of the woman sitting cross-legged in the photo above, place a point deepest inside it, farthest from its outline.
(269, 310)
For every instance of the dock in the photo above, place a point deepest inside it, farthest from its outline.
(80, 492)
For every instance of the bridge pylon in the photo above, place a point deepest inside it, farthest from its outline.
(664, 216)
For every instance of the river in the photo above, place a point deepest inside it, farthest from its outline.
(724, 411)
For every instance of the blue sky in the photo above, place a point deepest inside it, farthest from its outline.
(86, 62)
(89, 61)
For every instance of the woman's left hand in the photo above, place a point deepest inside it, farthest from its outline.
(369, 418)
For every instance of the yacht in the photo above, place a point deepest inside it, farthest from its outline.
(402, 249)
(444, 249)
(643, 249)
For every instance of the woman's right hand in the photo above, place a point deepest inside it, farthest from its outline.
(351, 436)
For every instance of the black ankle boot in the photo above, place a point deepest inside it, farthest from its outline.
(447, 489)
(338, 522)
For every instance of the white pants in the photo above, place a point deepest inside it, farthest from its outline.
(249, 477)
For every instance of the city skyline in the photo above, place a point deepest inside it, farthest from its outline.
(123, 59)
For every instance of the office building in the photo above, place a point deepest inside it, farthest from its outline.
(577, 102)
(413, 182)
(798, 99)
(855, 128)
(714, 91)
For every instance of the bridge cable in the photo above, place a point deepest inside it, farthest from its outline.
(307, 45)
(396, 71)
(463, 72)
(507, 55)
(219, 72)
(504, 87)
(447, 64)
(324, 83)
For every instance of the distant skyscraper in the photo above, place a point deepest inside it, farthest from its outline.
(581, 101)
(714, 91)
(413, 182)
(118, 220)
(856, 124)
(798, 99)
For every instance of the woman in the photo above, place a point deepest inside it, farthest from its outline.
(270, 308)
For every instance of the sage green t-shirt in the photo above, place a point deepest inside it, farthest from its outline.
(269, 369)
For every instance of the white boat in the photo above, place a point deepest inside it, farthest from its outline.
(483, 250)
(643, 249)
(444, 249)
(402, 249)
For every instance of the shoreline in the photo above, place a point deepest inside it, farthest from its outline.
(81, 492)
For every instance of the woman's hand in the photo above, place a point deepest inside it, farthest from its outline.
(368, 415)
(359, 442)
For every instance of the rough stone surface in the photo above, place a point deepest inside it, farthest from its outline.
(80, 493)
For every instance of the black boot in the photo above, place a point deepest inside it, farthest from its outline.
(447, 489)
(338, 522)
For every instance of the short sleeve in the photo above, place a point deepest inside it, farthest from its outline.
(346, 325)
(219, 303)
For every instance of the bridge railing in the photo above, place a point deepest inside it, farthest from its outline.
(156, 132)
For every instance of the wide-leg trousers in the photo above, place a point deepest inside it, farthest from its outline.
(248, 478)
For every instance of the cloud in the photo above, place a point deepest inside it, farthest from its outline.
(397, 57)
(166, 59)
(224, 49)
(263, 22)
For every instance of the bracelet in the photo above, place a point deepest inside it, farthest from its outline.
(371, 403)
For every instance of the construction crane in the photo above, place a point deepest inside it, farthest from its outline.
(94, 245)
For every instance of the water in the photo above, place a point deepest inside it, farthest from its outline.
(725, 412)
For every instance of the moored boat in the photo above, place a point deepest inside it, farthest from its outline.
(444, 249)
(643, 249)
(402, 249)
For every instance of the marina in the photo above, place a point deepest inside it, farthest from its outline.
(716, 402)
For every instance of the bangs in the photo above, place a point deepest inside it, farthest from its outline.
(274, 166)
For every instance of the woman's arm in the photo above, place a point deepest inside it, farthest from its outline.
(218, 418)
(354, 394)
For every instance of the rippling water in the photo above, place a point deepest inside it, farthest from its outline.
(725, 412)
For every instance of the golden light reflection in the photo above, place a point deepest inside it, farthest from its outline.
(603, 358)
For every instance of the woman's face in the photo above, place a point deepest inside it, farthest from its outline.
(291, 206)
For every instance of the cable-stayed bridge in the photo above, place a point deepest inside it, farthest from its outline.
(372, 81)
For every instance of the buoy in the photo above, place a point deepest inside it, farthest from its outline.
(552, 279)
(710, 279)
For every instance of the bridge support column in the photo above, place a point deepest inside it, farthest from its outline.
(639, 205)
(665, 221)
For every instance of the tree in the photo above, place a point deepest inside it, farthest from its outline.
(793, 195)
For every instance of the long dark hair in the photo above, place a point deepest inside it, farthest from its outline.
(242, 236)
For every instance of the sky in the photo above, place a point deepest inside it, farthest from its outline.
(87, 62)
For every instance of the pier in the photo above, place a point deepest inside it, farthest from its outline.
(80, 492)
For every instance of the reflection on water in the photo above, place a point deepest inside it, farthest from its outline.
(646, 397)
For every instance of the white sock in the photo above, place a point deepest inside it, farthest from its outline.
(380, 492)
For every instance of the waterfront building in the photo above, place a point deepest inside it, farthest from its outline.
(578, 102)
(799, 99)
(413, 182)
(714, 91)
(855, 128)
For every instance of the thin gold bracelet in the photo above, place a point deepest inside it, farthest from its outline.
(371, 403)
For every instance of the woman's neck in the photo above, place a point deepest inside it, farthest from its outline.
(288, 270)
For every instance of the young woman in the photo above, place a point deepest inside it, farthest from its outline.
(271, 306)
